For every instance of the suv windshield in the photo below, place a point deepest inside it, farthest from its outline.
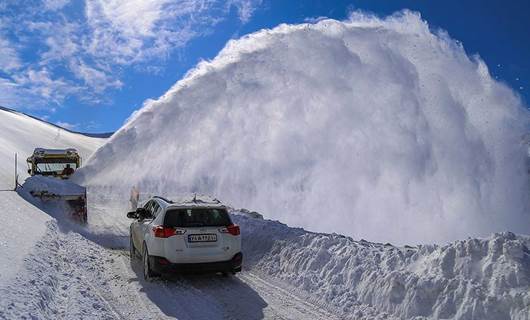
(53, 167)
(196, 217)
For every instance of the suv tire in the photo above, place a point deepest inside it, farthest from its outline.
(149, 274)
(132, 249)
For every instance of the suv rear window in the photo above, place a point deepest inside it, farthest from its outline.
(196, 217)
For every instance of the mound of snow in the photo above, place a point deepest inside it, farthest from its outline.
(376, 128)
(470, 279)
(38, 184)
(22, 226)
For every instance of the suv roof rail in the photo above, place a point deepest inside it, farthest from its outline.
(163, 199)
(195, 200)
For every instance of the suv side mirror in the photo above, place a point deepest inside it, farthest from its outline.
(132, 215)
(142, 213)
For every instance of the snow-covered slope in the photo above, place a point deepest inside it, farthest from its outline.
(21, 134)
(375, 128)
(23, 225)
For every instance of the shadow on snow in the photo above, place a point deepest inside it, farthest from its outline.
(196, 296)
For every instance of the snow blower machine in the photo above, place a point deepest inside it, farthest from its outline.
(50, 170)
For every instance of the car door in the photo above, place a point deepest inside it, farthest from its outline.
(146, 224)
(140, 226)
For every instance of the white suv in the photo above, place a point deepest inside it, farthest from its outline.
(185, 237)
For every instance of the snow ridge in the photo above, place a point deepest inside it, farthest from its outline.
(468, 279)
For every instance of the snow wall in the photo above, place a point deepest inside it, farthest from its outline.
(377, 128)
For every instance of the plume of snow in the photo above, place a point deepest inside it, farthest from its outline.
(375, 128)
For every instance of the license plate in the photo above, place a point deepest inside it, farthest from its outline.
(202, 238)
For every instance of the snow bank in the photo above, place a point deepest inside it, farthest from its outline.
(375, 128)
(22, 225)
(469, 279)
(38, 184)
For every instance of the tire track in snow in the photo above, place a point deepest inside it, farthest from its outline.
(286, 301)
(136, 298)
(245, 296)
(51, 284)
(71, 244)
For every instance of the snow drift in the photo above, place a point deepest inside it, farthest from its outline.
(51, 185)
(485, 279)
(376, 128)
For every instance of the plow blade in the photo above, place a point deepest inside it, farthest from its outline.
(76, 204)
(61, 196)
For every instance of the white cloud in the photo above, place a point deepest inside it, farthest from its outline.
(245, 8)
(84, 54)
(133, 31)
(315, 19)
(8, 93)
(62, 39)
(36, 89)
(55, 4)
(41, 82)
(66, 125)
(9, 59)
(94, 78)
(92, 125)
(132, 18)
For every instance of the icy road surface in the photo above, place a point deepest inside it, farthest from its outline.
(73, 275)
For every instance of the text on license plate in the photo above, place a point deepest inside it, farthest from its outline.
(202, 238)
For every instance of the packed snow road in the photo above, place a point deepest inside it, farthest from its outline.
(72, 274)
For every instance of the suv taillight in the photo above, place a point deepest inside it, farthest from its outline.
(166, 232)
(233, 229)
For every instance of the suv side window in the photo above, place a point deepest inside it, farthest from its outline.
(147, 204)
(156, 209)
(149, 207)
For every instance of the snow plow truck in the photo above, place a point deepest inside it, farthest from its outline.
(50, 170)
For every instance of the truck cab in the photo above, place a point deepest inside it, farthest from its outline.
(48, 169)
(61, 163)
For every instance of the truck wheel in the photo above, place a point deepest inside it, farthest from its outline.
(148, 272)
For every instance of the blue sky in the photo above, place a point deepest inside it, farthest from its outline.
(88, 64)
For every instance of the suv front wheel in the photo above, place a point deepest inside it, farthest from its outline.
(132, 249)
(149, 274)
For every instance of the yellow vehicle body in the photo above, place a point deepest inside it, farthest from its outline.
(52, 163)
